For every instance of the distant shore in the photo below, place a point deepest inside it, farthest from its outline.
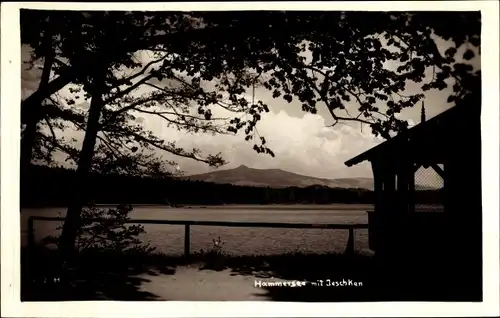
(299, 206)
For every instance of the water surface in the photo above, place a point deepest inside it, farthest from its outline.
(237, 241)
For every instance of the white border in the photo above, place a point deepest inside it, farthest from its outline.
(10, 227)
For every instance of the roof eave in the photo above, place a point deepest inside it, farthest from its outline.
(356, 160)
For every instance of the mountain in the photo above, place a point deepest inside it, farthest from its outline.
(277, 178)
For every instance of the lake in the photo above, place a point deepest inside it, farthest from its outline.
(169, 239)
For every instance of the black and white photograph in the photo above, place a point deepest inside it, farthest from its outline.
(261, 155)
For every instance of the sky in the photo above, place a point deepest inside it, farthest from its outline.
(301, 141)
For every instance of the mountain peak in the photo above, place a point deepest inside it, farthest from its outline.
(276, 178)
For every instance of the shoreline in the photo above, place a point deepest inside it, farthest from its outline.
(298, 206)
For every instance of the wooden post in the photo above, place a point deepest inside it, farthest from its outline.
(186, 240)
(349, 250)
(404, 170)
(389, 191)
(378, 186)
(375, 233)
(447, 194)
(411, 191)
(31, 234)
(402, 226)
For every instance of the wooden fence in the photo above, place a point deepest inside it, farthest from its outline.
(188, 224)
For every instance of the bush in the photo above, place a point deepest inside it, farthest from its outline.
(106, 230)
(216, 257)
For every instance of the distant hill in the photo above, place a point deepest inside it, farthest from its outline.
(277, 178)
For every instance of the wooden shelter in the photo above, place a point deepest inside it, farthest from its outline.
(449, 143)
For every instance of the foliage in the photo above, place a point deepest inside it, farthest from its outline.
(351, 63)
(228, 51)
(217, 246)
(106, 230)
(132, 147)
(215, 258)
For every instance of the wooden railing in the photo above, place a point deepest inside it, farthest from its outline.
(188, 224)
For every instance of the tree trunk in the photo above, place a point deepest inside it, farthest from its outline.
(34, 114)
(72, 222)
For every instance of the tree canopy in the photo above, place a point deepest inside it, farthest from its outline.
(348, 62)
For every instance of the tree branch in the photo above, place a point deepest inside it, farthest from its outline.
(176, 151)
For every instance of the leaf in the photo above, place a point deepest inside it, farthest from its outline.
(288, 98)
(475, 40)
(450, 52)
(468, 55)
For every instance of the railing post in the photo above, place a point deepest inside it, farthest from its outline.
(186, 240)
(31, 234)
(350, 242)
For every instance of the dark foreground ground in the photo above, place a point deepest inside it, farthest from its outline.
(105, 276)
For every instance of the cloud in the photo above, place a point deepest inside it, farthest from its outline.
(303, 146)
